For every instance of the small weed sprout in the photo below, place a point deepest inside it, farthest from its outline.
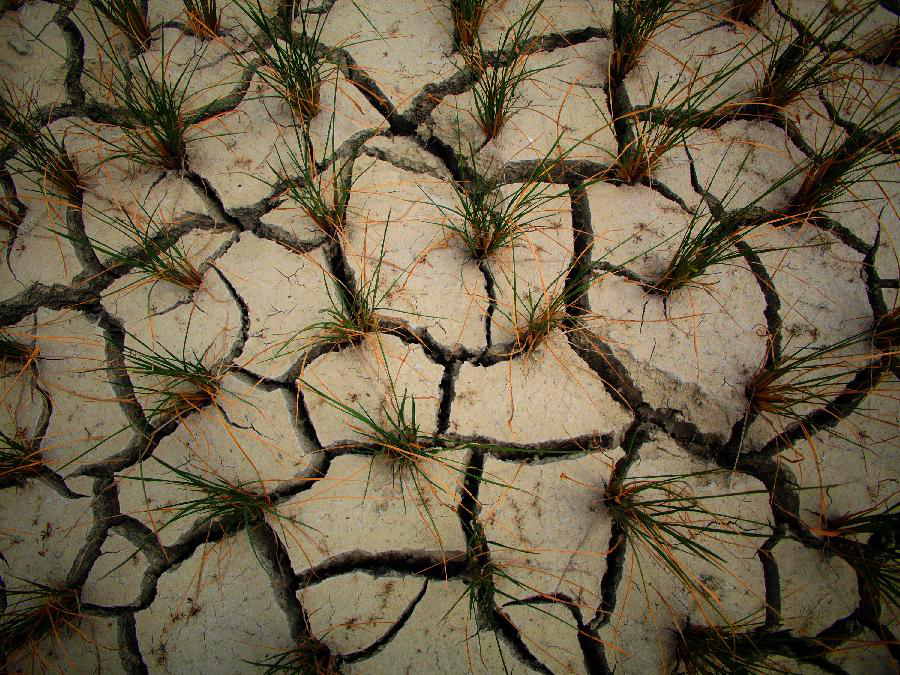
(41, 154)
(129, 17)
(292, 64)
(494, 93)
(34, 611)
(204, 18)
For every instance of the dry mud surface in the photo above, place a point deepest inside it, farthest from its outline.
(445, 491)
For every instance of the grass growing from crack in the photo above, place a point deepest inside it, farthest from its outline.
(176, 384)
(848, 154)
(488, 217)
(204, 18)
(354, 311)
(662, 515)
(17, 459)
(634, 24)
(292, 64)
(740, 647)
(242, 503)
(36, 610)
(321, 194)
(41, 154)
(808, 61)
(155, 105)
(467, 17)
(308, 657)
(129, 17)
(494, 94)
(877, 560)
(808, 376)
(672, 116)
(152, 251)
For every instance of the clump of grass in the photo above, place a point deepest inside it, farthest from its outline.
(17, 459)
(129, 17)
(662, 515)
(308, 656)
(176, 384)
(39, 151)
(706, 241)
(322, 195)
(848, 156)
(494, 94)
(489, 217)
(538, 313)
(671, 117)
(808, 61)
(204, 18)
(240, 503)
(152, 252)
(35, 611)
(877, 560)
(467, 18)
(292, 64)
(634, 24)
(806, 376)
(734, 648)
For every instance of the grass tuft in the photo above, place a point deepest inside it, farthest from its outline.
(489, 217)
(323, 195)
(177, 385)
(494, 93)
(204, 18)
(37, 149)
(218, 499)
(292, 64)
(467, 18)
(17, 459)
(661, 515)
(308, 657)
(804, 57)
(634, 24)
(129, 17)
(736, 648)
(35, 611)
(152, 253)
(807, 376)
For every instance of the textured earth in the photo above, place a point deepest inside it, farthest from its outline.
(494, 549)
